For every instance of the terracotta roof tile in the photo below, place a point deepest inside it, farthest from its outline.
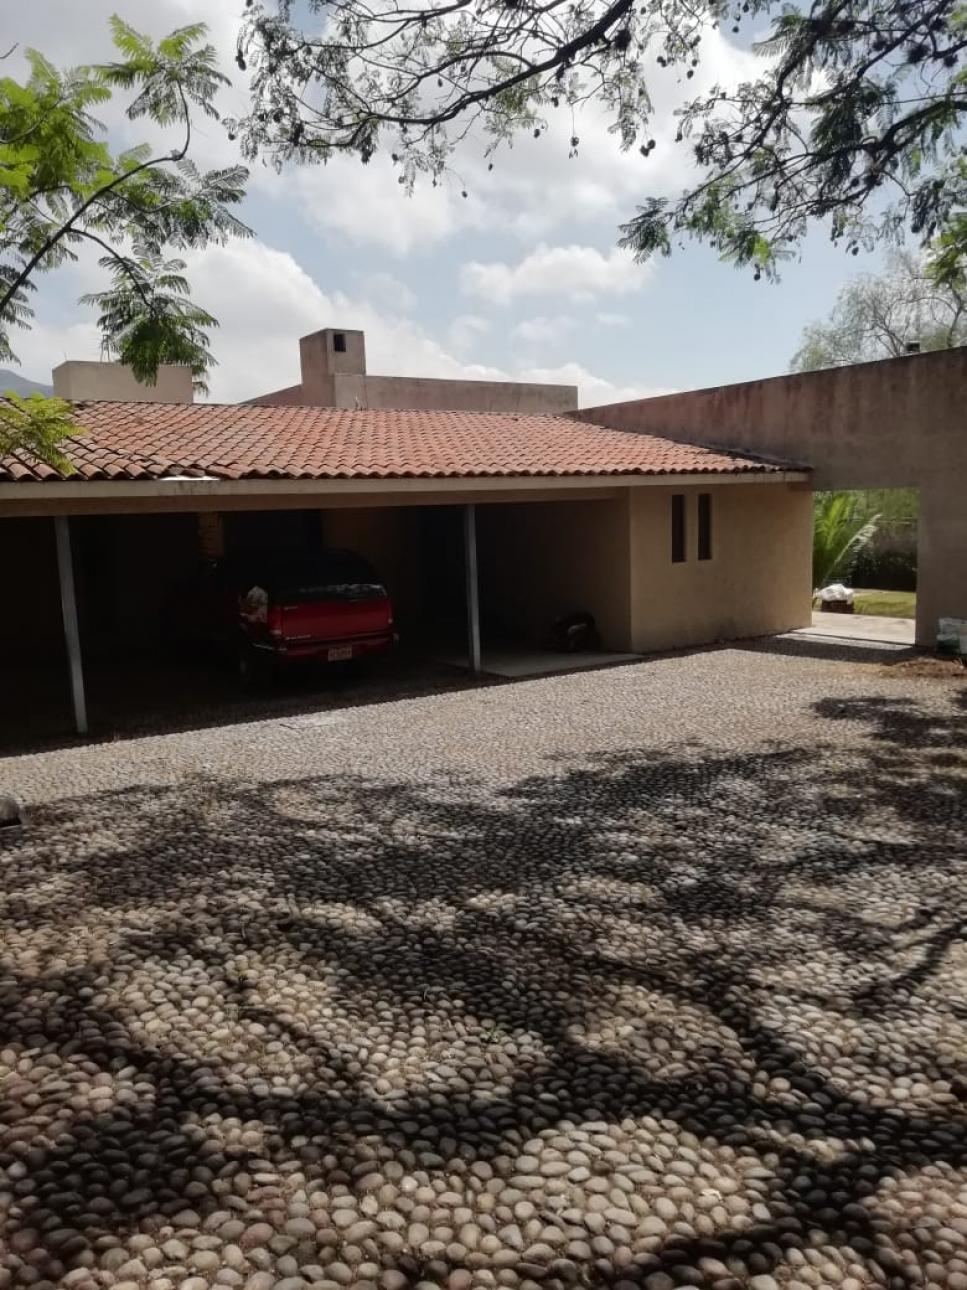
(243, 441)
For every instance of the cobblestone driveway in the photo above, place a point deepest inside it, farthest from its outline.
(653, 976)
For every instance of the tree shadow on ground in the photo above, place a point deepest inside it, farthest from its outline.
(724, 993)
(129, 700)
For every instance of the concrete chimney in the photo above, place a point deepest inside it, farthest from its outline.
(329, 353)
(113, 382)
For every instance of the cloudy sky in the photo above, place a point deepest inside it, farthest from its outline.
(521, 278)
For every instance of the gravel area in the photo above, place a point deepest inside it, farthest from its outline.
(147, 696)
(646, 977)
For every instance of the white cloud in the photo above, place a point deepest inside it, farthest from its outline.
(601, 185)
(365, 205)
(574, 271)
(48, 345)
(592, 389)
(264, 298)
(70, 35)
(265, 301)
(62, 329)
(465, 330)
(387, 290)
(541, 330)
(613, 320)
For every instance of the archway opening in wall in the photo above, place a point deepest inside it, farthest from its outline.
(866, 541)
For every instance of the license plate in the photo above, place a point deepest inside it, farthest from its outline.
(339, 654)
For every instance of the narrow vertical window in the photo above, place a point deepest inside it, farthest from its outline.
(705, 526)
(678, 527)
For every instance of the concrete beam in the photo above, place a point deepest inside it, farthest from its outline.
(221, 494)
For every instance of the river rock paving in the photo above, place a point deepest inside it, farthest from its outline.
(650, 977)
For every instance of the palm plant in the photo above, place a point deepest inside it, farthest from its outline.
(842, 527)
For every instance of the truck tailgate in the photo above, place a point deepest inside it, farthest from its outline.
(339, 618)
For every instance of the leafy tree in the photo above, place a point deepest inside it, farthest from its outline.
(854, 119)
(35, 424)
(881, 316)
(842, 528)
(61, 188)
(148, 316)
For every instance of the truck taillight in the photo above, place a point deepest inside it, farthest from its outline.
(273, 621)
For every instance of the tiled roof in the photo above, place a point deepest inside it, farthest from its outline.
(145, 441)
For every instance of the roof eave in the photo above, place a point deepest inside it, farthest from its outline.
(214, 487)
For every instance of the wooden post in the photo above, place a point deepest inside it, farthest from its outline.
(72, 635)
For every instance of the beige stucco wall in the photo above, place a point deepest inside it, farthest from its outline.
(452, 396)
(757, 581)
(894, 423)
(389, 537)
(540, 560)
(348, 390)
(334, 378)
(87, 380)
(886, 424)
(290, 397)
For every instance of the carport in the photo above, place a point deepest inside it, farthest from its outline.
(503, 522)
(100, 578)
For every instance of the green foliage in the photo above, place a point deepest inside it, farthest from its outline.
(61, 188)
(882, 316)
(856, 123)
(889, 560)
(147, 313)
(176, 71)
(34, 426)
(898, 508)
(893, 568)
(856, 119)
(948, 261)
(842, 528)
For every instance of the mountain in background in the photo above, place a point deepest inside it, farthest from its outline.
(20, 385)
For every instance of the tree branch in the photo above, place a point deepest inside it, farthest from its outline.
(122, 260)
(69, 225)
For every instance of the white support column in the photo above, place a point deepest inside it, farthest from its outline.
(68, 602)
(470, 573)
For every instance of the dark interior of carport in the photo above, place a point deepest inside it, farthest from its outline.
(128, 570)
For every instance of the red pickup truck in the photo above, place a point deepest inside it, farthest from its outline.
(272, 611)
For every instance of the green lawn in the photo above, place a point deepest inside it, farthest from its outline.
(890, 604)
